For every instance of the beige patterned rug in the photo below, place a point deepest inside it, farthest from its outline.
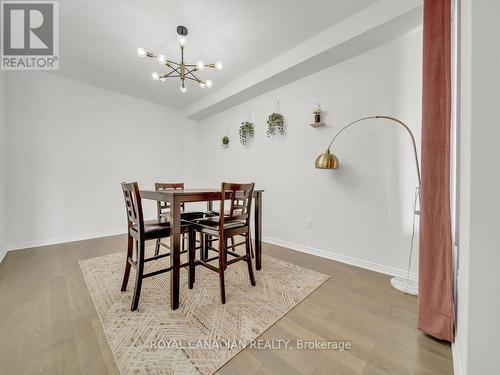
(202, 335)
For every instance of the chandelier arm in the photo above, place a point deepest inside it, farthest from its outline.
(173, 62)
(174, 69)
(188, 71)
(169, 74)
(193, 79)
(194, 76)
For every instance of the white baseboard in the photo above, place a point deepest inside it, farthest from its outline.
(457, 361)
(372, 266)
(59, 240)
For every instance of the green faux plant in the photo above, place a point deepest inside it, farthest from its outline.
(246, 132)
(275, 123)
(225, 140)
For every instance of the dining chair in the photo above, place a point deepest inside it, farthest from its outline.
(163, 212)
(236, 222)
(140, 231)
(212, 212)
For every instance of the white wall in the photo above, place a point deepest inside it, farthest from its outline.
(478, 333)
(460, 346)
(2, 164)
(69, 146)
(360, 213)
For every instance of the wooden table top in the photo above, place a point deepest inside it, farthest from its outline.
(189, 191)
(186, 194)
(212, 193)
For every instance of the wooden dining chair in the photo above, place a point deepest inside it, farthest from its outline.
(163, 212)
(140, 231)
(222, 227)
(212, 212)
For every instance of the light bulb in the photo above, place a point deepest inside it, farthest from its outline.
(182, 40)
(218, 65)
(155, 76)
(202, 85)
(208, 83)
(163, 79)
(141, 52)
(200, 65)
(162, 59)
(183, 88)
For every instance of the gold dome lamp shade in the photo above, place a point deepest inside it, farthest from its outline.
(327, 160)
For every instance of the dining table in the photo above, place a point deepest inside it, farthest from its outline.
(176, 198)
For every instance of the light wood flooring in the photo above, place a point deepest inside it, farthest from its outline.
(48, 323)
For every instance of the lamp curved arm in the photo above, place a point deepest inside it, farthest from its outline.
(401, 123)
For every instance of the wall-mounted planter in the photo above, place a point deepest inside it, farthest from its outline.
(275, 124)
(224, 142)
(246, 132)
(317, 119)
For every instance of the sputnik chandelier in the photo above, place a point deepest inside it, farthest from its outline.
(180, 70)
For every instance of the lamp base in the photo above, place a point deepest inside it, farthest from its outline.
(405, 285)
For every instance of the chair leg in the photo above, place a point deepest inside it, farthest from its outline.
(222, 266)
(157, 247)
(225, 252)
(249, 259)
(251, 244)
(138, 276)
(202, 246)
(130, 249)
(208, 243)
(192, 256)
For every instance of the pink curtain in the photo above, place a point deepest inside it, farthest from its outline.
(435, 303)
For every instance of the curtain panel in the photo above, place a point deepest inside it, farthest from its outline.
(436, 312)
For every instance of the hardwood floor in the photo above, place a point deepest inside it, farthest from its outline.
(48, 323)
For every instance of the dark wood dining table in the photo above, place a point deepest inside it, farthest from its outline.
(176, 198)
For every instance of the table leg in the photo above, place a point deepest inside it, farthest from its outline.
(258, 230)
(175, 252)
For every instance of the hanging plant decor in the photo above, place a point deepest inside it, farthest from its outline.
(246, 132)
(225, 141)
(275, 123)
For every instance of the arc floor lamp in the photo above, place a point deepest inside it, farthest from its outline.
(327, 160)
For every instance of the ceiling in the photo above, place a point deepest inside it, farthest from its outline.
(98, 39)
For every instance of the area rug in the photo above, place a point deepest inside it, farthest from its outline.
(202, 335)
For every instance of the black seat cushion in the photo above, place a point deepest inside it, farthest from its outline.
(158, 228)
(216, 213)
(185, 215)
(212, 222)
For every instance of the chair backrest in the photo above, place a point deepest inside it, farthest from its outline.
(240, 202)
(133, 205)
(164, 207)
